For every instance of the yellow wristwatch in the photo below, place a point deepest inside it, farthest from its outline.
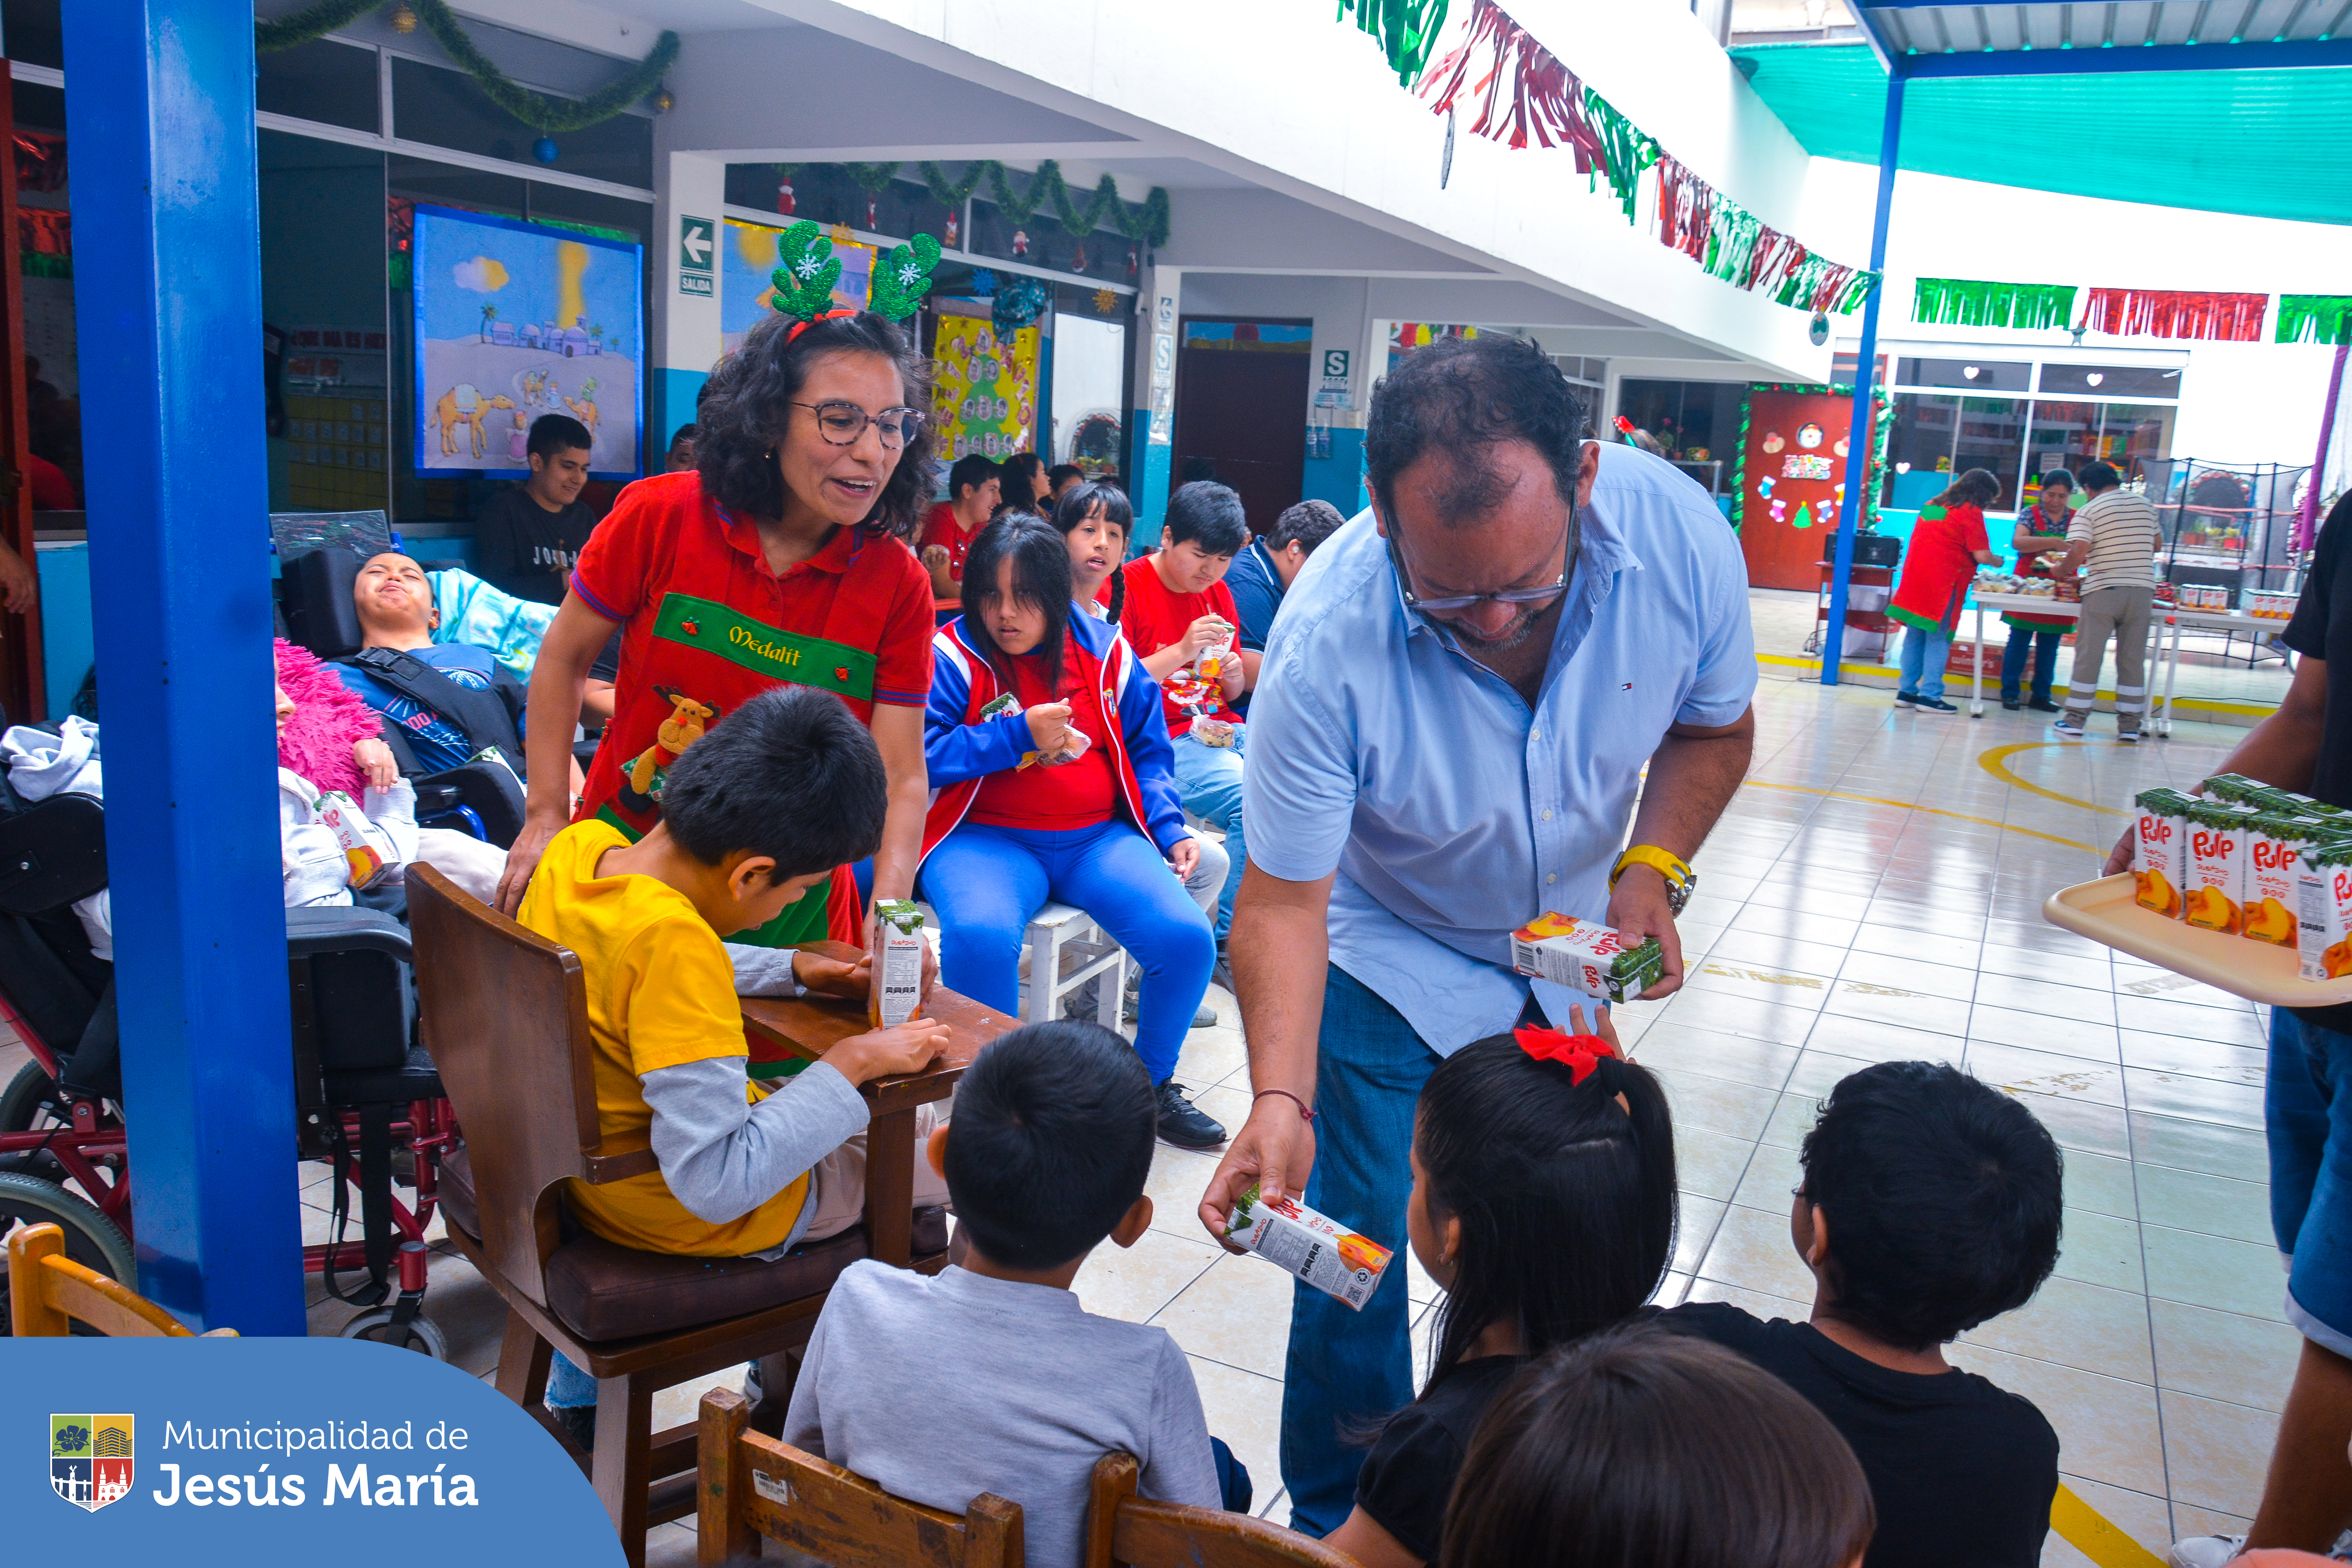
(1680, 877)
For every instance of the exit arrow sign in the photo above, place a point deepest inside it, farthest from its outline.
(697, 244)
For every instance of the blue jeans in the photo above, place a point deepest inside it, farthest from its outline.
(987, 882)
(2044, 648)
(1210, 778)
(2307, 1115)
(1923, 662)
(1348, 1369)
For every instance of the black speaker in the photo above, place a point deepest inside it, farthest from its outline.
(1869, 550)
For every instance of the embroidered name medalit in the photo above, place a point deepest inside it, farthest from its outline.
(715, 628)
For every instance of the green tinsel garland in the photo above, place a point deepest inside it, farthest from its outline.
(1146, 223)
(2315, 319)
(1968, 303)
(1626, 150)
(1407, 31)
(548, 116)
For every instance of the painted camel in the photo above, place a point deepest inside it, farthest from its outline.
(464, 404)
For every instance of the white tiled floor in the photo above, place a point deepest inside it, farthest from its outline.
(1874, 893)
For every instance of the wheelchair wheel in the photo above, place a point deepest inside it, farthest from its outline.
(31, 1104)
(421, 1334)
(92, 1239)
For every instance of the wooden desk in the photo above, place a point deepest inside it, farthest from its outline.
(811, 1026)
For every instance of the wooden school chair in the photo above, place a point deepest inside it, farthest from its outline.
(1124, 1531)
(504, 1014)
(755, 1488)
(48, 1291)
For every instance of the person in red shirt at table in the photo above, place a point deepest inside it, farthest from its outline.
(1947, 544)
(779, 559)
(1063, 792)
(1178, 608)
(975, 486)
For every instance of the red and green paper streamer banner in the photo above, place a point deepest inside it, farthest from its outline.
(1407, 31)
(1969, 302)
(2315, 319)
(1525, 95)
(2161, 313)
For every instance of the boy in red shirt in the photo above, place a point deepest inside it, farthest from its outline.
(974, 486)
(1179, 610)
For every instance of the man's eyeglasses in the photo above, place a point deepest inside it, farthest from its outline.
(842, 422)
(1450, 602)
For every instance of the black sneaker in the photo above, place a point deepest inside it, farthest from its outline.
(2011, 705)
(2043, 705)
(1184, 1124)
(1934, 705)
(1904, 700)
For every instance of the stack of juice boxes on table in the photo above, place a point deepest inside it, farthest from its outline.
(2252, 860)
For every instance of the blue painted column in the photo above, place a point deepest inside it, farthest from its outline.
(1860, 435)
(167, 298)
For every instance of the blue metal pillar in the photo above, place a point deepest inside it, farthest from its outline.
(1862, 434)
(168, 308)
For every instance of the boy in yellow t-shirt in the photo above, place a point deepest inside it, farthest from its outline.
(755, 813)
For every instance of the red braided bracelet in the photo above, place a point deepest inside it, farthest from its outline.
(1305, 1111)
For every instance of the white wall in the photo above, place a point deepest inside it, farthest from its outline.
(2243, 402)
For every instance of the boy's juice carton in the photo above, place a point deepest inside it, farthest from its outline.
(894, 936)
(1336, 1262)
(1585, 957)
(367, 848)
(2273, 895)
(2219, 837)
(2324, 908)
(2160, 870)
(1215, 656)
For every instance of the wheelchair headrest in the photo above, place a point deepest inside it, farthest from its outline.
(51, 854)
(317, 595)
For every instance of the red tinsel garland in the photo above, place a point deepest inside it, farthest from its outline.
(1686, 208)
(2160, 313)
(1546, 97)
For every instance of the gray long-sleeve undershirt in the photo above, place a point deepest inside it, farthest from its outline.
(722, 1157)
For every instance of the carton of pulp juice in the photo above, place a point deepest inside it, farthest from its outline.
(2160, 870)
(368, 850)
(2272, 893)
(895, 938)
(1587, 957)
(1214, 658)
(2218, 838)
(2324, 908)
(1286, 1232)
(2235, 789)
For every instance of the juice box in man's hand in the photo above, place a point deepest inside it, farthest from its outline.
(1335, 1261)
(1587, 957)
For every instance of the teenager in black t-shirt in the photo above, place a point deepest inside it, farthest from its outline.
(2305, 746)
(1931, 1203)
(1543, 1201)
(527, 540)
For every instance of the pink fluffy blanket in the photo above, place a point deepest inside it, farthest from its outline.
(328, 718)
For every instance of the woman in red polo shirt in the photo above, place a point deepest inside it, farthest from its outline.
(780, 557)
(1947, 545)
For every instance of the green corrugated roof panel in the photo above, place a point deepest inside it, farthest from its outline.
(2267, 143)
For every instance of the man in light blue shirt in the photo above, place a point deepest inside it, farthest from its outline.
(1462, 690)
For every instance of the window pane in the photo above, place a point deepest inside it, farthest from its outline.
(1992, 437)
(446, 108)
(1922, 435)
(2065, 436)
(1965, 374)
(2131, 433)
(322, 81)
(35, 30)
(561, 203)
(2110, 380)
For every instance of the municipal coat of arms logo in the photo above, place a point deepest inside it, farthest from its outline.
(89, 1460)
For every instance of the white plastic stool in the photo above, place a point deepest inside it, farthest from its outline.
(1055, 929)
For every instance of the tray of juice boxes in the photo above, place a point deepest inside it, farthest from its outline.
(2248, 889)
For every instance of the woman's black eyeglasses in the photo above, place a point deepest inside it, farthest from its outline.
(841, 423)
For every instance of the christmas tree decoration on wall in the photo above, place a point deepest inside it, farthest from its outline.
(1971, 302)
(2162, 313)
(2315, 319)
(1406, 30)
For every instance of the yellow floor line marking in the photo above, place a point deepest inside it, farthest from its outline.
(1930, 810)
(1996, 763)
(2083, 1528)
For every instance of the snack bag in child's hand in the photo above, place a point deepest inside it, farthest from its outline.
(1212, 732)
(1336, 1262)
(368, 850)
(894, 937)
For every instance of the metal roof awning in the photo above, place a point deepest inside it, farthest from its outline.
(1932, 39)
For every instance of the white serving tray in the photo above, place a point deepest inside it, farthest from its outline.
(2106, 912)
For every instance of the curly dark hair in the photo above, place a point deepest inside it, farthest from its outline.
(1463, 397)
(745, 404)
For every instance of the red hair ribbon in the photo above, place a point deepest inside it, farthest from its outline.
(1580, 1054)
(797, 328)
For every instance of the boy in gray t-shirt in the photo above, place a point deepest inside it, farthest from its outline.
(990, 1377)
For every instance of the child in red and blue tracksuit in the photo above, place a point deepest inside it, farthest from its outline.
(1002, 839)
